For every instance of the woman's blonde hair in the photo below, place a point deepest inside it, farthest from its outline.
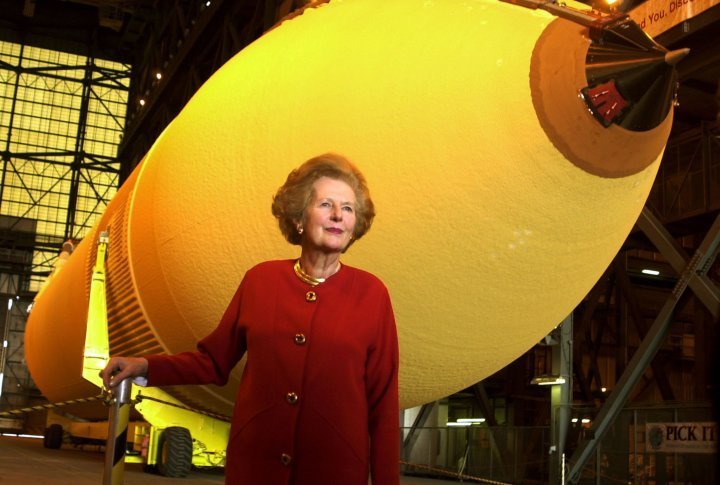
(291, 200)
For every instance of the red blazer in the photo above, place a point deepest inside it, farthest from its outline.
(318, 399)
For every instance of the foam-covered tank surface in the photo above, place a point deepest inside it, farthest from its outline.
(488, 232)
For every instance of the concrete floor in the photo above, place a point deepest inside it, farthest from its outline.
(25, 461)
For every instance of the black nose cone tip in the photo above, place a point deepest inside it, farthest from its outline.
(632, 81)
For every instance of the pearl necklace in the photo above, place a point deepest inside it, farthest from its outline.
(306, 278)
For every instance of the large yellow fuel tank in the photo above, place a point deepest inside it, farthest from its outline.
(500, 199)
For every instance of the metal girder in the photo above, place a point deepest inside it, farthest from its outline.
(486, 409)
(412, 436)
(46, 183)
(483, 401)
(702, 286)
(623, 281)
(78, 156)
(584, 323)
(419, 422)
(560, 398)
(698, 265)
(593, 368)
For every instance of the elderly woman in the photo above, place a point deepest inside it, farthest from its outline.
(318, 399)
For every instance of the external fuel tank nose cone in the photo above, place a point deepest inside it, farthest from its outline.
(603, 96)
(632, 81)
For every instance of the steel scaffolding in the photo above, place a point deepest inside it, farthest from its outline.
(61, 119)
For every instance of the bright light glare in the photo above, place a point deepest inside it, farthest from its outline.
(603, 389)
(458, 424)
(471, 420)
(651, 271)
(585, 421)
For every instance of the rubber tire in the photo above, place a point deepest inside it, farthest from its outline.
(175, 455)
(53, 437)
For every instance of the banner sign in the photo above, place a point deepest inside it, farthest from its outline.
(657, 16)
(681, 437)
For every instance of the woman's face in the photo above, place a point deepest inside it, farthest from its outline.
(330, 216)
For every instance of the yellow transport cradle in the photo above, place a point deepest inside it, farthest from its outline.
(173, 437)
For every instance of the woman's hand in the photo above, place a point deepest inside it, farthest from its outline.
(120, 368)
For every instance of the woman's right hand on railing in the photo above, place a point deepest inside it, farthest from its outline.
(120, 368)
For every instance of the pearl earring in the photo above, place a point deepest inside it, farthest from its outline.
(300, 230)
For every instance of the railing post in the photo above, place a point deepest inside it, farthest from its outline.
(117, 434)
